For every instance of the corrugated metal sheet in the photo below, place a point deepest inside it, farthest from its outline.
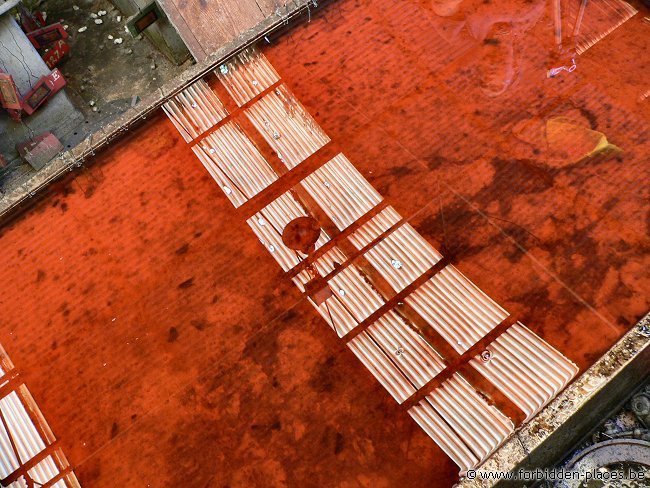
(323, 265)
(352, 302)
(456, 308)
(461, 422)
(375, 227)
(287, 126)
(402, 256)
(526, 369)
(341, 191)
(353, 298)
(21, 429)
(382, 368)
(23, 438)
(195, 110)
(269, 223)
(587, 23)
(45, 471)
(235, 163)
(398, 356)
(247, 75)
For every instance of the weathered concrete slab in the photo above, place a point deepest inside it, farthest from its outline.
(7, 5)
(205, 26)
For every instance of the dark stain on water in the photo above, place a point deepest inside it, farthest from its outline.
(115, 429)
(183, 249)
(172, 336)
(201, 324)
(339, 443)
(90, 191)
(186, 284)
(324, 379)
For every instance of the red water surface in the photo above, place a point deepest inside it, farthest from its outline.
(166, 348)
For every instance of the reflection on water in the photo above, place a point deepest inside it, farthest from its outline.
(499, 27)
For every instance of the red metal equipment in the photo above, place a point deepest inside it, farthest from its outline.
(49, 39)
(53, 55)
(10, 98)
(46, 87)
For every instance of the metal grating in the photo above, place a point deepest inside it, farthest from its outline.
(246, 75)
(286, 126)
(341, 191)
(234, 163)
(461, 422)
(526, 369)
(402, 256)
(195, 110)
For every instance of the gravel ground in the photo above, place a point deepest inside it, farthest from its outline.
(106, 66)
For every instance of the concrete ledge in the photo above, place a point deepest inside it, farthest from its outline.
(569, 418)
(7, 5)
(75, 157)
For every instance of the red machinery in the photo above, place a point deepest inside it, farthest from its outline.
(16, 104)
(48, 39)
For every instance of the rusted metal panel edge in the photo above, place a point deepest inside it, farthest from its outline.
(575, 412)
(78, 155)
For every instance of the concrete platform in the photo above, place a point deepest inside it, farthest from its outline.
(206, 26)
(58, 115)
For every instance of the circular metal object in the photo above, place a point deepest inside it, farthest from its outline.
(486, 356)
(301, 234)
(641, 405)
(608, 453)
